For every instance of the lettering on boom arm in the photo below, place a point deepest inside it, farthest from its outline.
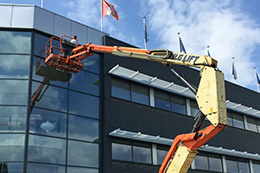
(184, 58)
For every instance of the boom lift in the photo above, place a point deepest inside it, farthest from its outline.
(210, 94)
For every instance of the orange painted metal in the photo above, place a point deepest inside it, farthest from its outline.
(191, 141)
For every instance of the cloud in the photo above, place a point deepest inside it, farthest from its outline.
(220, 24)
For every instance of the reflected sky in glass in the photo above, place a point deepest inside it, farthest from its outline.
(83, 128)
(43, 120)
(12, 118)
(15, 42)
(83, 154)
(9, 67)
(12, 147)
(46, 149)
(13, 92)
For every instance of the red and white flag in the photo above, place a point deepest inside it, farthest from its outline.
(108, 9)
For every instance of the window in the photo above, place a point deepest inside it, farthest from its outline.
(251, 124)
(50, 74)
(85, 82)
(142, 154)
(139, 94)
(194, 109)
(229, 118)
(238, 120)
(15, 42)
(256, 165)
(83, 104)
(46, 149)
(258, 125)
(81, 170)
(83, 154)
(237, 165)
(162, 100)
(54, 98)
(215, 163)
(13, 92)
(178, 104)
(11, 167)
(92, 63)
(120, 89)
(83, 128)
(121, 152)
(40, 168)
(9, 67)
(12, 147)
(161, 154)
(201, 162)
(48, 122)
(12, 118)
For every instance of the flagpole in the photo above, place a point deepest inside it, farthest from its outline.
(256, 80)
(101, 15)
(145, 39)
(41, 3)
(234, 69)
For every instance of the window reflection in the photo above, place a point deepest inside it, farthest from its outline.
(120, 89)
(84, 104)
(142, 154)
(54, 76)
(238, 120)
(162, 100)
(121, 152)
(178, 104)
(13, 92)
(83, 128)
(11, 167)
(252, 124)
(12, 119)
(194, 109)
(42, 168)
(81, 170)
(15, 42)
(201, 162)
(9, 67)
(243, 167)
(12, 147)
(91, 63)
(54, 98)
(215, 164)
(40, 44)
(46, 149)
(231, 166)
(83, 154)
(229, 118)
(48, 122)
(85, 82)
(256, 165)
(161, 154)
(139, 94)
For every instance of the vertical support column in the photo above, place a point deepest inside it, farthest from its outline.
(251, 166)
(245, 122)
(224, 163)
(152, 97)
(154, 154)
(188, 109)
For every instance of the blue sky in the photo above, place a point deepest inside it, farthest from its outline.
(230, 27)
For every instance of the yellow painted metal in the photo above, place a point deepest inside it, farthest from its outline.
(211, 96)
(168, 57)
(181, 161)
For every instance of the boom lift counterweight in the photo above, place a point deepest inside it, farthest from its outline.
(210, 94)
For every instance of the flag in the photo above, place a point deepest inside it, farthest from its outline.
(108, 9)
(208, 51)
(234, 71)
(182, 48)
(257, 78)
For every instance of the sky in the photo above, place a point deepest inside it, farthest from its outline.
(230, 27)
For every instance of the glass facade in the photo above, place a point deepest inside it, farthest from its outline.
(60, 109)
